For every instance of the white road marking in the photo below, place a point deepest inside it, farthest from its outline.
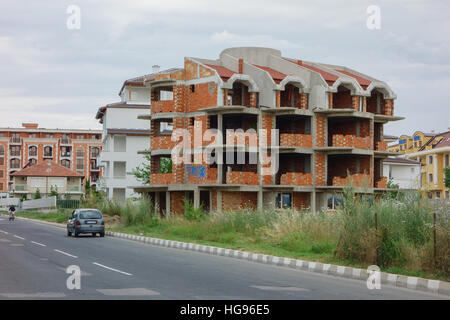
(112, 269)
(34, 295)
(19, 237)
(39, 244)
(67, 254)
(273, 288)
(128, 292)
(4, 232)
(16, 245)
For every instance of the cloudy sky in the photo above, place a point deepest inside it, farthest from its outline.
(59, 77)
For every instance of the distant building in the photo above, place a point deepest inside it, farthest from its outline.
(407, 144)
(434, 157)
(74, 149)
(44, 177)
(403, 172)
(124, 136)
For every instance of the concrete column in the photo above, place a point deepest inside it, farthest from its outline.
(219, 151)
(196, 198)
(219, 201)
(313, 201)
(157, 206)
(260, 199)
(167, 203)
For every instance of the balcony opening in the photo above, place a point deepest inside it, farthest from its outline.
(162, 93)
(15, 151)
(291, 97)
(65, 163)
(239, 95)
(240, 168)
(349, 132)
(345, 168)
(294, 131)
(66, 151)
(342, 99)
(294, 169)
(375, 102)
(243, 129)
(48, 152)
(32, 151)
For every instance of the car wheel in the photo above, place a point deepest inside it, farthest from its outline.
(102, 234)
(77, 234)
(69, 233)
(94, 234)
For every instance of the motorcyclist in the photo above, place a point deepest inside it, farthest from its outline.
(12, 209)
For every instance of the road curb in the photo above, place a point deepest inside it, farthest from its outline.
(412, 283)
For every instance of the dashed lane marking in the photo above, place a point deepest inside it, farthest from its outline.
(16, 236)
(128, 292)
(112, 269)
(65, 253)
(274, 288)
(39, 244)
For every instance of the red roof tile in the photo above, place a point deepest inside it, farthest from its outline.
(46, 169)
(223, 72)
(276, 75)
(364, 83)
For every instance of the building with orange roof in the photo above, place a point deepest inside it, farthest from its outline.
(327, 124)
(45, 177)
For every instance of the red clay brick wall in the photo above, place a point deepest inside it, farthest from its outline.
(320, 169)
(300, 200)
(342, 100)
(296, 179)
(321, 123)
(238, 200)
(388, 108)
(162, 106)
(267, 124)
(204, 95)
(211, 177)
(162, 142)
(296, 140)
(242, 177)
(176, 202)
(161, 178)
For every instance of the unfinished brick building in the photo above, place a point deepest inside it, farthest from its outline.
(329, 121)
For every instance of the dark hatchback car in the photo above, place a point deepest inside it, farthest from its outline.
(86, 221)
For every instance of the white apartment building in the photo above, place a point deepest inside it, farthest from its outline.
(404, 172)
(123, 136)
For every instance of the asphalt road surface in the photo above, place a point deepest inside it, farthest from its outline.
(34, 258)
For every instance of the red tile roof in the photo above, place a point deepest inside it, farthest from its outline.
(435, 142)
(364, 83)
(223, 72)
(276, 75)
(46, 169)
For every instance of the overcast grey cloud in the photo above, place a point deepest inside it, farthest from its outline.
(59, 77)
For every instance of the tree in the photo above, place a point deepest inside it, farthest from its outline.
(447, 177)
(37, 195)
(54, 192)
(142, 172)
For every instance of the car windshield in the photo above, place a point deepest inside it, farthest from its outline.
(90, 214)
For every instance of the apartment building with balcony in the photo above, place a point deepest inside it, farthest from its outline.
(123, 137)
(77, 150)
(408, 144)
(328, 129)
(434, 157)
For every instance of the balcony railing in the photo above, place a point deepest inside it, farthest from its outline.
(161, 178)
(348, 140)
(242, 177)
(15, 153)
(15, 140)
(65, 141)
(162, 142)
(296, 179)
(48, 155)
(65, 154)
(358, 180)
(163, 106)
(296, 140)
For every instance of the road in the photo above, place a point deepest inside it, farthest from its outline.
(34, 258)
